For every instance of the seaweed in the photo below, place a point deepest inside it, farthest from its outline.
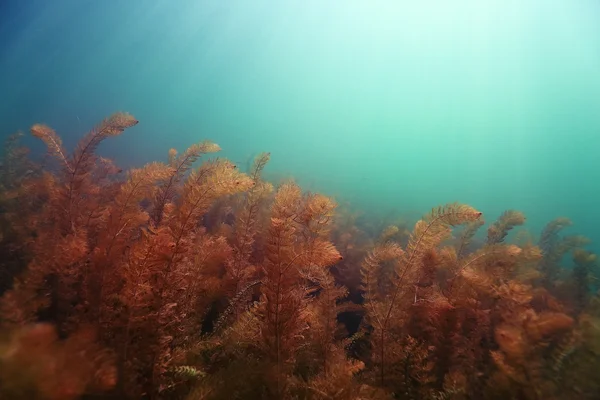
(191, 279)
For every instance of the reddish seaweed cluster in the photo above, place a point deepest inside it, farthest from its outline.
(194, 280)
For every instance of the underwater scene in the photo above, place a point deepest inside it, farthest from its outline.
(321, 200)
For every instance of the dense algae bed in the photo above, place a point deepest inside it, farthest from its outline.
(192, 279)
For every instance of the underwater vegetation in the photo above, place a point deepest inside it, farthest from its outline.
(190, 279)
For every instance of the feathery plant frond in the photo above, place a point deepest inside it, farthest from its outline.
(213, 179)
(322, 315)
(498, 231)
(550, 233)
(388, 233)
(180, 165)
(203, 186)
(466, 235)
(111, 126)
(16, 168)
(282, 300)
(123, 219)
(428, 233)
(377, 278)
(245, 225)
(586, 266)
(53, 142)
(554, 247)
(232, 304)
(258, 165)
(476, 268)
(82, 159)
(77, 168)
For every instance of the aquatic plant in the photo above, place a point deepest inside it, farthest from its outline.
(190, 279)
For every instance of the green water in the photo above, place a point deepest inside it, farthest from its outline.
(393, 106)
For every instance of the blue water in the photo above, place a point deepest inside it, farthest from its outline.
(393, 106)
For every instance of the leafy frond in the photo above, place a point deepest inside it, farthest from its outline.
(213, 179)
(111, 126)
(466, 235)
(385, 304)
(388, 233)
(550, 233)
(282, 299)
(498, 231)
(554, 247)
(245, 225)
(123, 219)
(428, 233)
(377, 270)
(488, 267)
(180, 165)
(259, 164)
(233, 303)
(53, 142)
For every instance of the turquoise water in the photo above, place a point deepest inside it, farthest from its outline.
(393, 106)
